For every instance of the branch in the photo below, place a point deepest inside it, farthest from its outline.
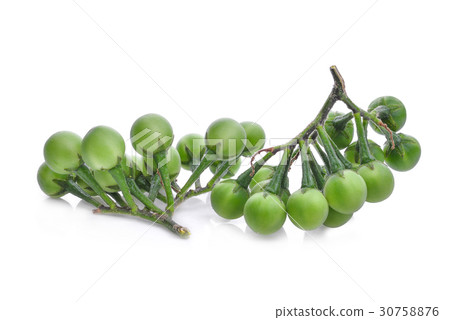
(161, 219)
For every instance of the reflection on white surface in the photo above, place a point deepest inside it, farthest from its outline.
(57, 202)
(278, 236)
(83, 205)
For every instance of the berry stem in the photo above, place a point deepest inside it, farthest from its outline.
(198, 183)
(307, 177)
(175, 186)
(161, 162)
(316, 170)
(222, 170)
(203, 165)
(335, 164)
(155, 186)
(340, 122)
(364, 151)
(85, 174)
(118, 198)
(322, 155)
(119, 176)
(136, 191)
(347, 164)
(161, 219)
(143, 183)
(369, 116)
(274, 185)
(73, 188)
(246, 177)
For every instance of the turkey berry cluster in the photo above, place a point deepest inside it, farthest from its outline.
(338, 175)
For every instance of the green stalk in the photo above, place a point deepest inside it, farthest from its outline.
(118, 198)
(322, 156)
(142, 182)
(161, 161)
(155, 186)
(347, 164)
(175, 186)
(364, 151)
(341, 121)
(335, 164)
(85, 174)
(274, 185)
(243, 180)
(73, 188)
(295, 154)
(136, 191)
(285, 181)
(365, 125)
(383, 113)
(390, 136)
(222, 170)
(203, 165)
(316, 170)
(133, 168)
(198, 183)
(161, 197)
(119, 177)
(307, 177)
(161, 219)
(246, 177)
(166, 221)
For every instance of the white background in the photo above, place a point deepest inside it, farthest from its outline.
(67, 65)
